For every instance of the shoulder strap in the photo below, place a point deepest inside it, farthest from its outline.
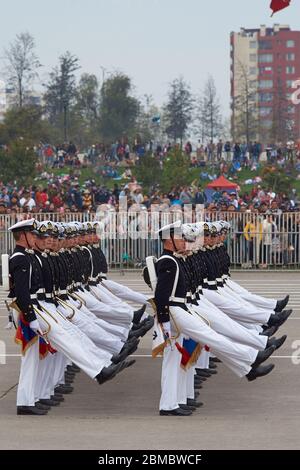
(177, 272)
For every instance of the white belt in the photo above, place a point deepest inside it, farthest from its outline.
(49, 296)
(219, 279)
(211, 283)
(205, 281)
(33, 296)
(93, 279)
(63, 292)
(179, 300)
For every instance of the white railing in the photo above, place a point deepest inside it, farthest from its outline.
(129, 237)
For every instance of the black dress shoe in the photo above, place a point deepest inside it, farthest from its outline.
(262, 356)
(40, 406)
(57, 398)
(278, 319)
(126, 351)
(212, 365)
(49, 402)
(260, 371)
(197, 386)
(176, 412)
(187, 407)
(142, 323)
(64, 389)
(30, 410)
(215, 359)
(277, 342)
(107, 373)
(211, 371)
(73, 368)
(138, 314)
(269, 331)
(68, 381)
(70, 375)
(203, 373)
(198, 380)
(194, 403)
(129, 363)
(281, 304)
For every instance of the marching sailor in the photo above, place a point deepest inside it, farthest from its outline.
(178, 320)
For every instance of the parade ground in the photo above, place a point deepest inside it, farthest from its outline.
(123, 413)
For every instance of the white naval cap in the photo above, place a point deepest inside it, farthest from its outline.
(168, 230)
(190, 232)
(29, 225)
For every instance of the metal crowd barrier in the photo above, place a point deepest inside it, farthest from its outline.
(254, 241)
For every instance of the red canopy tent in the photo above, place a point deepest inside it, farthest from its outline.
(222, 183)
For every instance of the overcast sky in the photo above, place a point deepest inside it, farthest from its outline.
(153, 41)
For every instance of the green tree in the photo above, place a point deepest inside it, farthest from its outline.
(176, 170)
(148, 172)
(118, 108)
(61, 92)
(17, 163)
(24, 123)
(178, 110)
(84, 115)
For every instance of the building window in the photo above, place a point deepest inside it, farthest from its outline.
(290, 56)
(253, 57)
(290, 43)
(289, 96)
(265, 111)
(265, 70)
(266, 124)
(265, 97)
(291, 109)
(290, 69)
(265, 84)
(253, 70)
(253, 44)
(265, 58)
(289, 83)
(265, 45)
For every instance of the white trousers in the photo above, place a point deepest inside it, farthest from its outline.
(235, 310)
(67, 338)
(171, 378)
(120, 312)
(203, 360)
(223, 324)
(105, 314)
(258, 300)
(124, 292)
(235, 356)
(94, 331)
(26, 394)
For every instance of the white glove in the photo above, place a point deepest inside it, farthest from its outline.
(35, 326)
(166, 328)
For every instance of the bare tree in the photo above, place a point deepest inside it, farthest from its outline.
(209, 112)
(22, 65)
(283, 125)
(245, 119)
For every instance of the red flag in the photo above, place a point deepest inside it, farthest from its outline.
(277, 5)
